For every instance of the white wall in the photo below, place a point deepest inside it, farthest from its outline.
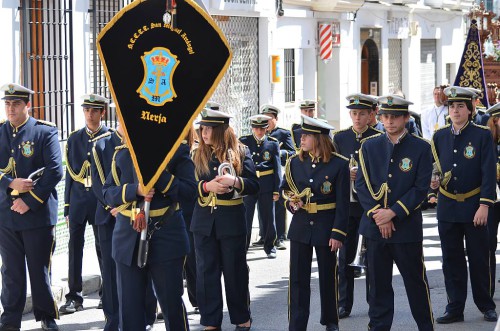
(81, 61)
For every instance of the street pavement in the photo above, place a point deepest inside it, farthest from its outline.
(268, 290)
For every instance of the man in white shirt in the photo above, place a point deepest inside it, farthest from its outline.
(435, 117)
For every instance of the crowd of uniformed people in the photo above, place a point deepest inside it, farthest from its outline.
(355, 196)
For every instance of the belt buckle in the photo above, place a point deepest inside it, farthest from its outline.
(312, 208)
(134, 212)
(460, 197)
(212, 202)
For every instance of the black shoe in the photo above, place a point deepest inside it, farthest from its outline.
(332, 327)
(343, 313)
(358, 272)
(99, 306)
(159, 315)
(5, 327)
(259, 242)
(280, 244)
(70, 307)
(196, 311)
(490, 315)
(244, 328)
(49, 325)
(271, 255)
(448, 318)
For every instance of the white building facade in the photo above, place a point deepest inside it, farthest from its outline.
(379, 46)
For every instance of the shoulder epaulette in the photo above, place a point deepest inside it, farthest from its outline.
(184, 142)
(340, 156)
(422, 138)
(109, 133)
(73, 132)
(481, 126)
(443, 127)
(370, 137)
(283, 129)
(246, 136)
(243, 148)
(191, 153)
(2, 121)
(117, 148)
(273, 139)
(46, 123)
(343, 130)
(295, 124)
(375, 129)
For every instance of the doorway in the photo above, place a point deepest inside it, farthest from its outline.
(370, 68)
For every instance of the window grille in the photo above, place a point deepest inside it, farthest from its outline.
(289, 75)
(46, 60)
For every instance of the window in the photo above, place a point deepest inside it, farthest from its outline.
(289, 75)
(46, 60)
(100, 13)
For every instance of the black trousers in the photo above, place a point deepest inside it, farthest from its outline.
(493, 220)
(410, 262)
(299, 289)
(190, 271)
(109, 289)
(75, 252)
(267, 225)
(215, 257)
(280, 218)
(346, 272)
(34, 249)
(455, 266)
(132, 284)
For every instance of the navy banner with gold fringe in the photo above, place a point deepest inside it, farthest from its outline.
(161, 75)
(470, 72)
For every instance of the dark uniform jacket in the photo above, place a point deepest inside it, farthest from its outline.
(171, 240)
(467, 162)
(79, 200)
(266, 158)
(296, 132)
(348, 143)
(403, 171)
(411, 126)
(329, 184)
(480, 117)
(32, 146)
(379, 126)
(284, 138)
(227, 220)
(102, 155)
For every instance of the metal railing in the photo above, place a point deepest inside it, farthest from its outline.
(46, 60)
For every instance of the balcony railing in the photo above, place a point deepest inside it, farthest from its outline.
(327, 5)
(450, 4)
